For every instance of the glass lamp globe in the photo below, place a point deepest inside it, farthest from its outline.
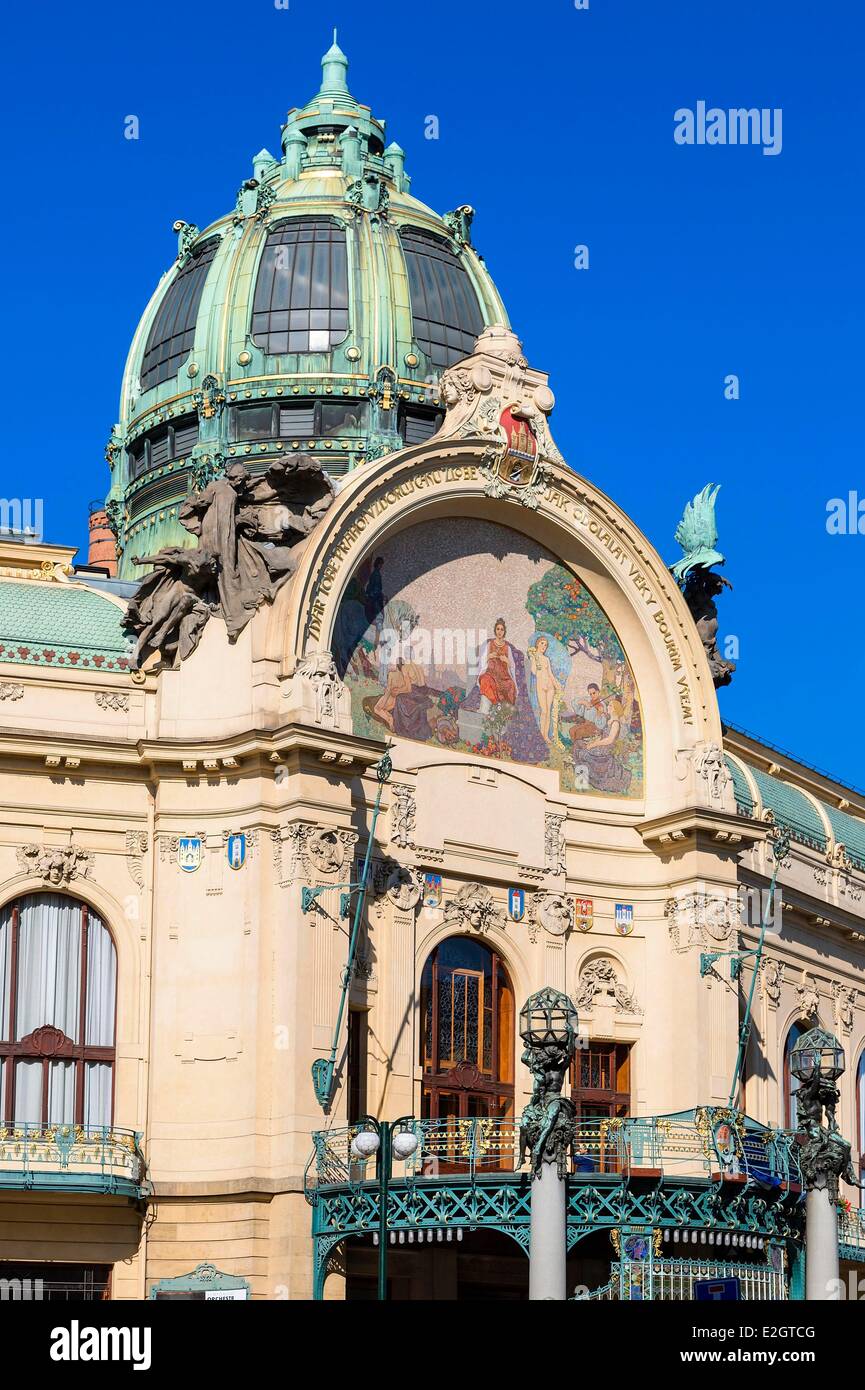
(365, 1143)
(817, 1052)
(404, 1144)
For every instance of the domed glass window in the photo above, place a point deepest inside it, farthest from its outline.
(301, 294)
(172, 332)
(446, 316)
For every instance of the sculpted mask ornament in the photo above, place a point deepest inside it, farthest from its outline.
(57, 866)
(249, 530)
(319, 670)
(772, 978)
(845, 1006)
(809, 998)
(473, 909)
(712, 770)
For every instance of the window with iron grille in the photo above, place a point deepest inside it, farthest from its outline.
(172, 332)
(301, 293)
(446, 316)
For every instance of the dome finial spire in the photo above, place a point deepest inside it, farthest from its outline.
(334, 66)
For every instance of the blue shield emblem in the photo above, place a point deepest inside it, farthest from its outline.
(624, 919)
(432, 890)
(189, 853)
(236, 850)
(516, 904)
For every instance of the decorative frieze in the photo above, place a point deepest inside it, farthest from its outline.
(58, 865)
(112, 699)
(310, 851)
(11, 690)
(601, 983)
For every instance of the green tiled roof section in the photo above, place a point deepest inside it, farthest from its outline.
(744, 798)
(60, 625)
(850, 833)
(791, 809)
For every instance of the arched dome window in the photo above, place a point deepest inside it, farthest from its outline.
(301, 293)
(58, 983)
(172, 332)
(467, 1032)
(446, 316)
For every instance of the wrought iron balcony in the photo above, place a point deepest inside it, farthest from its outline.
(683, 1144)
(705, 1176)
(72, 1158)
(663, 1280)
(851, 1233)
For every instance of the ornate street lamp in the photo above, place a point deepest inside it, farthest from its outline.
(548, 1027)
(817, 1061)
(397, 1139)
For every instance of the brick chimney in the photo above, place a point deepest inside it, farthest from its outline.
(102, 549)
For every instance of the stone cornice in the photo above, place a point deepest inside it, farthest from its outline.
(718, 827)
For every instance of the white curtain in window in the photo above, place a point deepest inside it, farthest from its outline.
(97, 1093)
(49, 964)
(101, 979)
(61, 1093)
(5, 971)
(28, 1093)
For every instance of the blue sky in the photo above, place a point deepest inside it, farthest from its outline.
(557, 125)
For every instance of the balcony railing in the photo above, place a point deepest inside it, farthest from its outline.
(72, 1158)
(673, 1280)
(681, 1145)
(851, 1228)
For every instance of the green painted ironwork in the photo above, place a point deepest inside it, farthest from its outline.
(73, 1158)
(324, 1068)
(661, 1173)
(204, 1279)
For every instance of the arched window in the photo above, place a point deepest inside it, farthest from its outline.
(791, 1085)
(172, 332)
(467, 1032)
(58, 980)
(446, 316)
(301, 293)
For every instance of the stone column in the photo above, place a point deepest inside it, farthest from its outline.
(548, 1027)
(549, 1235)
(822, 1274)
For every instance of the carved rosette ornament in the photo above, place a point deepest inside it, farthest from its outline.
(473, 909)
(56, 865)
(554, 912)
(601, 983)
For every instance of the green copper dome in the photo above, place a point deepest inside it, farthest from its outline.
(316, 316)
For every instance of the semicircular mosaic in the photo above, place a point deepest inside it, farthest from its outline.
(467, 635)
